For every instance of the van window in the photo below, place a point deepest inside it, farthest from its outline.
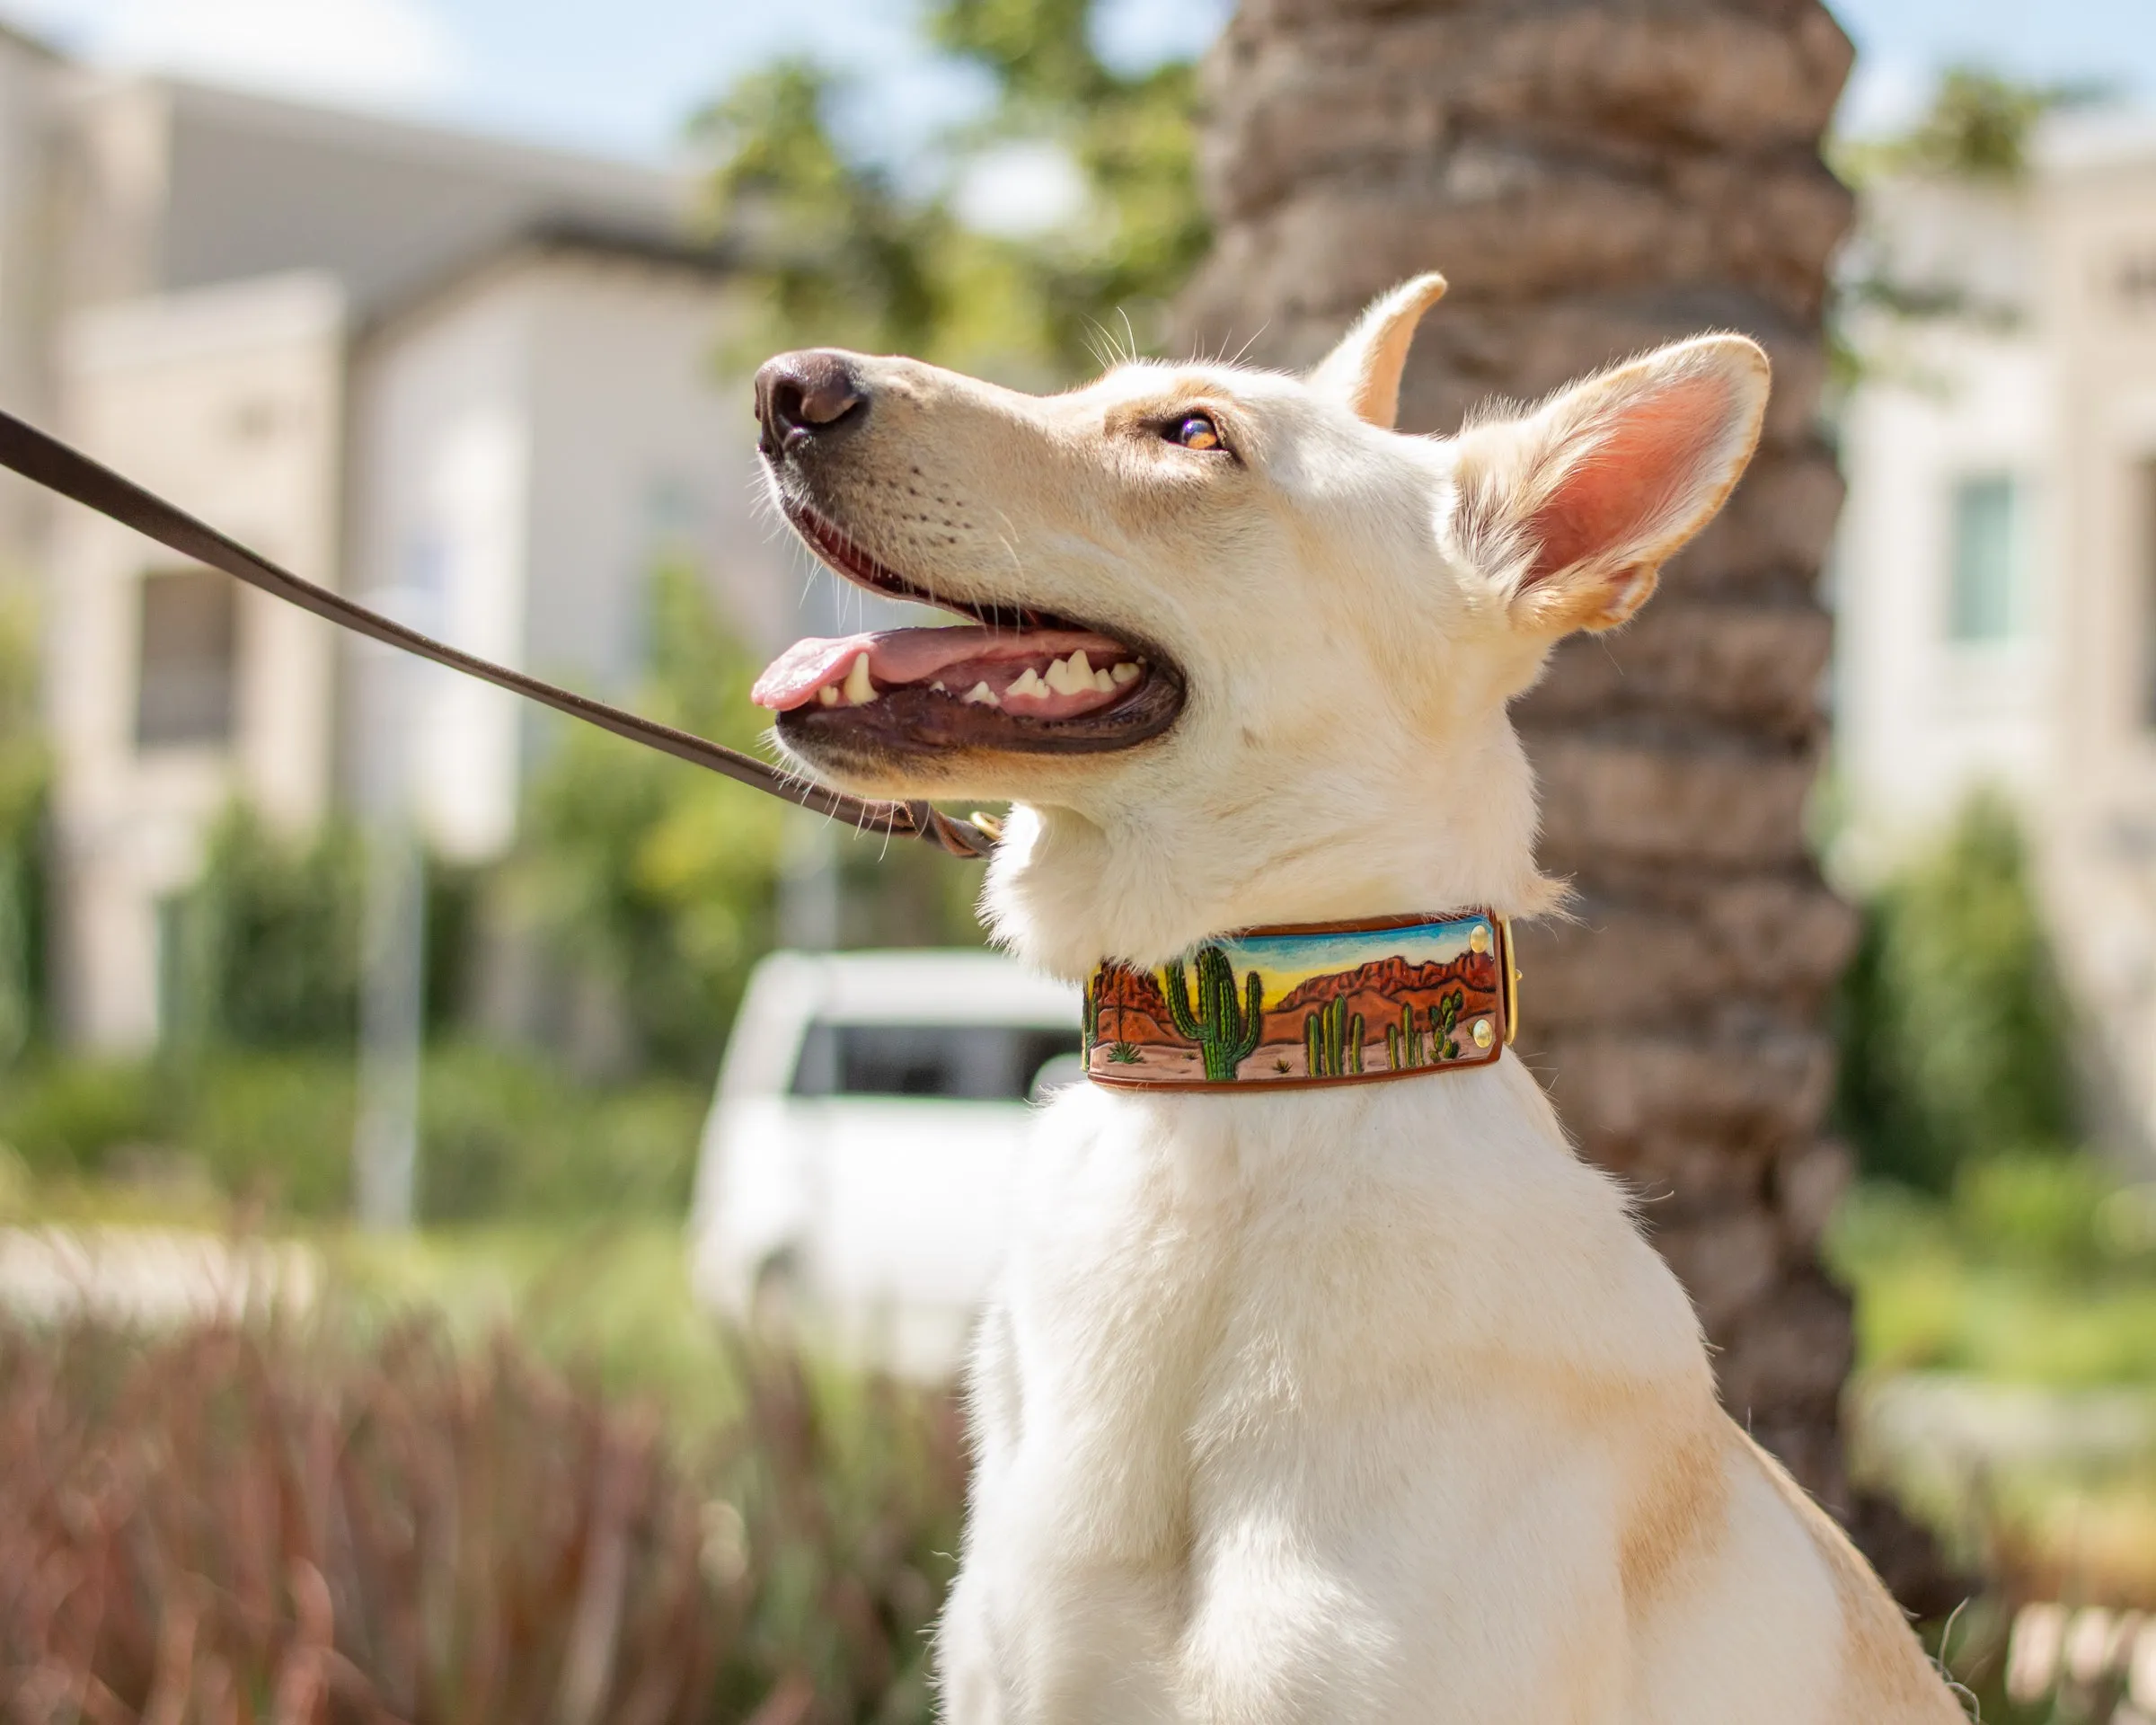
(981, 1062)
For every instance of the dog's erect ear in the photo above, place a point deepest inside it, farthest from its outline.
(1574, 508)
(1363, 371)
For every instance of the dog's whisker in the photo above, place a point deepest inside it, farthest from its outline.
(1102, 350)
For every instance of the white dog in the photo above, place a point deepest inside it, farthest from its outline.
(1366, 1400)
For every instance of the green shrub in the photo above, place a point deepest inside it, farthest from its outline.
(269, 938)
(1953, 1030)
(273, 1128)
(2041, 1213)
(24, 775)
(64, 1118)
(2022, 1275)
(501, 1134)
(849, 1493)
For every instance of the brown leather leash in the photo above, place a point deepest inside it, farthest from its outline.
(46, 461)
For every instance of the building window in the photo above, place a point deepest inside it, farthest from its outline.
(1984, 596)
(184, 685)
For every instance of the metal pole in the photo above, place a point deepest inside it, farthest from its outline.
(811, 902)
(385, 1143)
(811, 896)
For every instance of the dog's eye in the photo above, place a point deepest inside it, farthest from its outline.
(1196, 431)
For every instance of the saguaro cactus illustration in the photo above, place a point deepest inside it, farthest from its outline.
(1224, 1034)
(1403, 1040)
(1333, 1041)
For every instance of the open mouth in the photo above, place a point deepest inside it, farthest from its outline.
(1014, 678)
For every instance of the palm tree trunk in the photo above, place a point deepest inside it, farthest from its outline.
(1594, 177)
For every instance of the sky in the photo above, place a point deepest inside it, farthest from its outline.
(620, 76)
(1285, 961)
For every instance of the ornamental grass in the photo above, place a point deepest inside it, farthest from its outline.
(261, 1521)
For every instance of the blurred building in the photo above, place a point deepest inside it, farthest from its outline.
(470, 380)
(1995, 577)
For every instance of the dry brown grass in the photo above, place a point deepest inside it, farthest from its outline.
(259, 1523)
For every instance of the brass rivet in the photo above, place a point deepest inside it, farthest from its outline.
(1477, 941)
(1484, 1034)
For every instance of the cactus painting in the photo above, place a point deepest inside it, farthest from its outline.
(1443, 1017)
(1333, 1041)
(1226, 1030)
(1403, 1040)
(1405, 1044)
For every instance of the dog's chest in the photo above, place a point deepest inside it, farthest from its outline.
(1194, 1262)
(1274, 1403)
(1186, 1254)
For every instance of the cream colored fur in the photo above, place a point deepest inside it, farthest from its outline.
(1366, 1403)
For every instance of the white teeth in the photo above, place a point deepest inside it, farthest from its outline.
(1029, 686)
(938, 688)
(981, 696)
(1125, 673)
(1068, 675)
(860, 691)
(828, 696)
(1104, 682)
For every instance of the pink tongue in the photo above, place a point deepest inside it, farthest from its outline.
(916, 655)
(793, 678)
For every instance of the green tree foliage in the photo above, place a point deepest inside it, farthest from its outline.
(838, 256)
(503, 1134)
(1953, 1028)
(1133, 136)
(1977, 131)
(1978, 126)
(663, 881)
(844, 256)
(660, 878)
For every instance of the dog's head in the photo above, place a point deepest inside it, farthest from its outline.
(1238, 650)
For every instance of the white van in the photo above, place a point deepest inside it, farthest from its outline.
(858, 1164)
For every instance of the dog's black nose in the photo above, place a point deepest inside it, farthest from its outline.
(808, 394)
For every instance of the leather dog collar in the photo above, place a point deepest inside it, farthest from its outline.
(1310, 1004)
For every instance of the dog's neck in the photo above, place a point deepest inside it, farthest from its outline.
(1144, 881)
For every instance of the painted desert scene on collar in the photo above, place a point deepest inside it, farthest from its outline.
(1319, 1005)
